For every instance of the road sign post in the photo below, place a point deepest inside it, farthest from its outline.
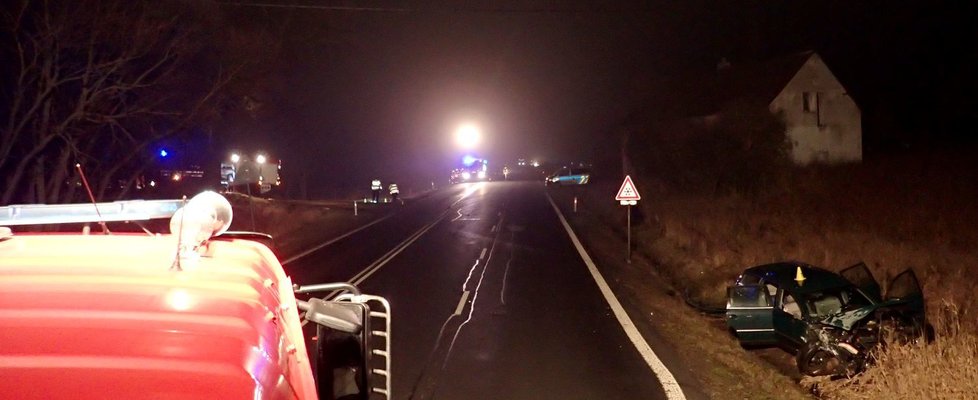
(628, 196)
(628, 245)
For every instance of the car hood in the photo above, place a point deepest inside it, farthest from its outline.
(848, 319)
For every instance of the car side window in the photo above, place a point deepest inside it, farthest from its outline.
(749, 279)
(790, 306)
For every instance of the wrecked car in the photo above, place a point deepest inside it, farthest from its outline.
(831, 321)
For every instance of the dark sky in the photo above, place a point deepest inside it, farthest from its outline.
(363, 93)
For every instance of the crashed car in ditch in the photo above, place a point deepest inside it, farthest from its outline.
(831, 321)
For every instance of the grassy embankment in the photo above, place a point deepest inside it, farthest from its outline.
(892, 214)
(298, 225)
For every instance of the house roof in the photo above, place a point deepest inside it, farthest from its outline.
(755, 81)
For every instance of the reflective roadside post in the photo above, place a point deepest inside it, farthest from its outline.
(627, 196)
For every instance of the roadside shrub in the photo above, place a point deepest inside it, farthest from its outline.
(742, 149)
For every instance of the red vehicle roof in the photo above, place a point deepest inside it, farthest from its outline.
(105, 316)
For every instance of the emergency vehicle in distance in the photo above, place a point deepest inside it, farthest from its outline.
(199, 313)
(472, 170)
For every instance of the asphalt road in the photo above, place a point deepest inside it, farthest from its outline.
(490, 300)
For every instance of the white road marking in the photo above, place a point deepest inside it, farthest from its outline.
(466, 283)
(334, 240)
(461, 303)
(668, 381)
(370, 270)
(483, 255)
(512, 250)
(493, 228)
(475, 297)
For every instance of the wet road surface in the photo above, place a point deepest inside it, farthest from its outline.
(490, 300)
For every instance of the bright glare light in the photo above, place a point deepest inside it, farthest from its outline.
(482, 174)
(176, 177)
(235, 157)
(179, 300)
(468, 136)
(468, 160)
(536, 164)
(260, 159)
(163, 153)
(466, 175)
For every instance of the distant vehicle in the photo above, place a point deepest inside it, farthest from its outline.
(477, 170)
(570, 176)
(198, 313)
(831, 321)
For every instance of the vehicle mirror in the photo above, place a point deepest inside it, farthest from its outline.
(343, 355)
(334, 316)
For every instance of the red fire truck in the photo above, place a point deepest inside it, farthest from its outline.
(199, 313)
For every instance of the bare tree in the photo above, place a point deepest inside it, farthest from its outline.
(94, 83)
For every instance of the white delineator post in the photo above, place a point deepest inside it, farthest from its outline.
(354, 208)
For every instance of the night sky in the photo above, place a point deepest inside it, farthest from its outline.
(349, 94)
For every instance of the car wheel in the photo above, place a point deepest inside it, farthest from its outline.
(815, 360)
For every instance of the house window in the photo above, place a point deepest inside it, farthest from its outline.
(810, 102)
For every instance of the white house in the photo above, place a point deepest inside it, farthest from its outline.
(823, 122)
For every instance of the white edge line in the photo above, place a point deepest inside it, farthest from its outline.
(334, 240)
(482, 256)
(461, 303)
(668, 381)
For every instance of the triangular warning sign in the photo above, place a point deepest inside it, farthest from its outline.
(628, 191)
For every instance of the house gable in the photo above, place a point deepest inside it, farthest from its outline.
(823, 122)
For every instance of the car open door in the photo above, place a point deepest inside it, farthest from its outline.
(905, 290)
(860, 276)
(750, 314)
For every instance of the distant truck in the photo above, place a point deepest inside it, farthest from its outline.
(199, 313)
(251, 177)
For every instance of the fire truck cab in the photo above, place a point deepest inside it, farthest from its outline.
(199, 313)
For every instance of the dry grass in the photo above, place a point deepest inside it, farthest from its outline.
(904, 212)
(887, 215)
(298, 225)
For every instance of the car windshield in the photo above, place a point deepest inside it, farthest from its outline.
(834, 301)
